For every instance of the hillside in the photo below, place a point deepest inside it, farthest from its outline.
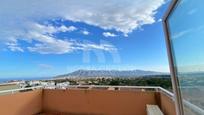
(110, 73)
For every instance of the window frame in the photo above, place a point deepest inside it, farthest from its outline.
(173, 71)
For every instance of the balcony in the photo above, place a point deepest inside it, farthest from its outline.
(85, 100)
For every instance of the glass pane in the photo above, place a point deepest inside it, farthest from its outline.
(186, 26)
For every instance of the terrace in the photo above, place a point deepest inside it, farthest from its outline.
(183, 28)
(86, 100)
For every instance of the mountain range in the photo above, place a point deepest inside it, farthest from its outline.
(110, 73)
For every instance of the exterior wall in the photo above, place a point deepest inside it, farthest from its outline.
(97, 102)
(167, 105)
(25, 103)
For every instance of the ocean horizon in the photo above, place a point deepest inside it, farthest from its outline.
(3, 80)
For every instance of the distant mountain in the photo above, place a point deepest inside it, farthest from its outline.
(110, 73)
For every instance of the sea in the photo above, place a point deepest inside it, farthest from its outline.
(4, 80)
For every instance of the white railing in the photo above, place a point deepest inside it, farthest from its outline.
(193, 107)
(140, 88)
(107, 86)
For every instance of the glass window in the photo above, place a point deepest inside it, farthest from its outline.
(186, 27)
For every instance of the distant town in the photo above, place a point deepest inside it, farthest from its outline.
(97, 77)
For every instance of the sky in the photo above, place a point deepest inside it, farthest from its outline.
(187, 31)
(53, 37)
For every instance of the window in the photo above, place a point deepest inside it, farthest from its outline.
(186, 32)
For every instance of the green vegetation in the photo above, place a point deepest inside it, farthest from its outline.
(158, 80)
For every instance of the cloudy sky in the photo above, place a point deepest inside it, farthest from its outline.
(49, 37)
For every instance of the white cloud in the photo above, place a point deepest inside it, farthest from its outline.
(42, 40)
(63, 47)
(67, 29)
(49, 29)
(45, 66)
(123, 16)
(14, 47)
(20, 20)
(53, 47)
(91, 46)
(159, 20)
(109, 34)
(192, 11)
(49, 44)
(85, 32)
(181, 34)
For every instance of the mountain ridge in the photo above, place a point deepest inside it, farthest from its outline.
(82, 73)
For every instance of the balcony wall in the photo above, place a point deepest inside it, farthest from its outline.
(24, 103)
(167, 105)
(84, 102)
(97, 102)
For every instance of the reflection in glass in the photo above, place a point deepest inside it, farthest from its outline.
(187, 42)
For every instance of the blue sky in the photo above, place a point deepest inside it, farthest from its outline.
(44, 39)
(187, 37)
